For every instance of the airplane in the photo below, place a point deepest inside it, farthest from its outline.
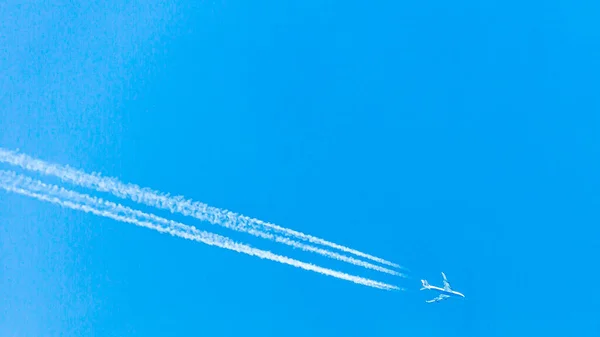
(445, 292)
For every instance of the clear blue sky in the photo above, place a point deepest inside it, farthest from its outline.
(456, 137)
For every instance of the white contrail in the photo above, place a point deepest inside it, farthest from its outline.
(13, 182)
(151, 217)
(186, 207)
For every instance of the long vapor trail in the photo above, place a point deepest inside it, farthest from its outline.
(16, 183)
(187, 207)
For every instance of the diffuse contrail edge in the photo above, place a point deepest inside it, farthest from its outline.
(16, 183)
(187, 207)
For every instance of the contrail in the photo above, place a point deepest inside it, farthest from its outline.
(16, 183)
(187, 207)
(38, 186)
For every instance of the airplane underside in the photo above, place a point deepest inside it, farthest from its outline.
(444, 293)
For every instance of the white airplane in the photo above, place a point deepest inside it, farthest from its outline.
(445, 292)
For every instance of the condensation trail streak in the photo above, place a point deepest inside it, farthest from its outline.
(187, 207)
(16, 183)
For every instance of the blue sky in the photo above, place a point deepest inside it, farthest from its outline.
(445, 137)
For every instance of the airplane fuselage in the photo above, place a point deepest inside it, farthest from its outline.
(445, 292)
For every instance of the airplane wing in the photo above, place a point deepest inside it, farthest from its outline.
(446, 284)
(439, 298)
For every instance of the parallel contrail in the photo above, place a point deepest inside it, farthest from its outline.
(186, 207)
(13, 182)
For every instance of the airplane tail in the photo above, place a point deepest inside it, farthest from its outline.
(425, 284)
